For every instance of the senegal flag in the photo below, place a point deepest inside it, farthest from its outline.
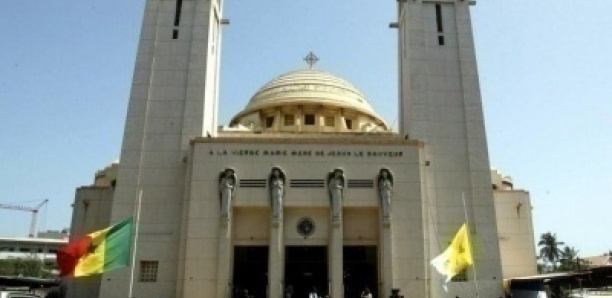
(98, 252)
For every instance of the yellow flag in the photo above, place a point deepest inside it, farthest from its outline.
(456, 257)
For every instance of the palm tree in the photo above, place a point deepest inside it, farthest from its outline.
(569, 259)
(550, 249)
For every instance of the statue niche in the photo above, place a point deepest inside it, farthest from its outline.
(385, 191)
(227, 192)
(276, 184)
(335, 185)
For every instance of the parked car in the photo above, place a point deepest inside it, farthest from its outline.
(13, 294)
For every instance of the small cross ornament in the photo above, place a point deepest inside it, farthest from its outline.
(311, 59)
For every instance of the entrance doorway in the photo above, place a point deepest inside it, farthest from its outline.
(360, 270)
(250, 271)
(305, 269)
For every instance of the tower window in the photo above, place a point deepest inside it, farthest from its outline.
(177, 13)
(148, 271)
(289, 120)
(440, 40)
(439, 18)
(269, 121)
(349, 123)
(439, 24)
(329, 121)
(309, 119)
(177, 18)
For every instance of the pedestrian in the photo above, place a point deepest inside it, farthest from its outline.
(313, 293)
(366, 293)
(289, 291)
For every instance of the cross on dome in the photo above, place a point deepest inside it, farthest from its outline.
(311, 59)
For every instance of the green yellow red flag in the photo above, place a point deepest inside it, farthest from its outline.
(98, 252)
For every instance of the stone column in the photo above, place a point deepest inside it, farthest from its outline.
(278, 120)
(225, 259)
(276, 260)
(335, 259)
(386, 251)
(299, 119)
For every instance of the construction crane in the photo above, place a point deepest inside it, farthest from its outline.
(34, 211)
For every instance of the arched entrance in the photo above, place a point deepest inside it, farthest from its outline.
(250, 271)
(360, 270)
(305, 269)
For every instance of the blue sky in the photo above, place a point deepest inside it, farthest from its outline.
(545, 72)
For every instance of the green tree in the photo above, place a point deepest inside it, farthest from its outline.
(569, 259)
(29, 267)
(550, 249)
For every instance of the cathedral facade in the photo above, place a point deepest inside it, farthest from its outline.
(306, 189)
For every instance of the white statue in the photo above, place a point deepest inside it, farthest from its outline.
(385, 188)
(227, 191)
(277, 192)
(336, 189)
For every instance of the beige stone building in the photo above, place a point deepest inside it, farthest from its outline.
(306, 187)
(515, 227)
(512, 206)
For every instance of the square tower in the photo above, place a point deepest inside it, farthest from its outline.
(440, 104)
(173, 99)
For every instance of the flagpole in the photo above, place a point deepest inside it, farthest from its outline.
(135, 246)
(467, 226)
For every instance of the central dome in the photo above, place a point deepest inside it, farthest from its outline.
(309, 86)
(312, 90)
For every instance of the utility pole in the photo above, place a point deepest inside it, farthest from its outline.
(33, 210)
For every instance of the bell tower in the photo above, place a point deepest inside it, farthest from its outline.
(440, 104)
(174, 98)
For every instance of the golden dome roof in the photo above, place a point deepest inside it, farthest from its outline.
(308, 87)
